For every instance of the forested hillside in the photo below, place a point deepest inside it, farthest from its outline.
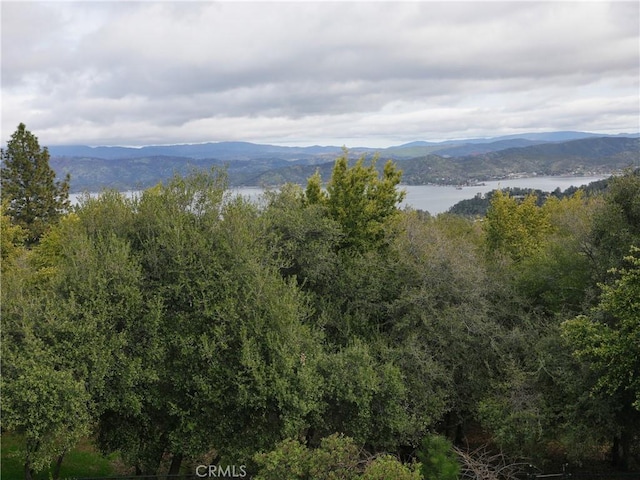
(479, 205)
(307, 335)
(577, 157)
(592, 155)
(93, 169)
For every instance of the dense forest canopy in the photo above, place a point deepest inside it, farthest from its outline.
(318, 332)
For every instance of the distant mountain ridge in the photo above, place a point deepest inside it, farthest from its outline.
(451, 162)
(244, 150)
(587, 156)
(220, 150)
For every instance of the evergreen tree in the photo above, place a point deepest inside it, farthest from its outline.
(34, 198)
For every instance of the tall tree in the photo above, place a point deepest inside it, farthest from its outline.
(608, 340)
(358, 200)
(34, 197)
(616, 226)
(558, 276)
(45, 397)
(440, 321)
(234, 368)
(515, 228)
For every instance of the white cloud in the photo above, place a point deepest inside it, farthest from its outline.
(316, 72)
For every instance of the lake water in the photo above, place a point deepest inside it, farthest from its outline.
(438, 199)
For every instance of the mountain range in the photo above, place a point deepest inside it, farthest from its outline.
(422, 162)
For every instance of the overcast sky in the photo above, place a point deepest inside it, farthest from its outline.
(304, 73)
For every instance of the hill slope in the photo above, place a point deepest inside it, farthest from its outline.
(575, 157)
(260, 165)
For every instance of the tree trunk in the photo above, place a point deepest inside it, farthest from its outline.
(621, 450)
(615, 452)
(625, 448)
(453, 428)
(628, 422)
(176, 461)
(56, 471)
(28, 473)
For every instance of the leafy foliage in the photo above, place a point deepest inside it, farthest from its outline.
(336, 458)
(358, 200)
(185, 324)
(616, 224)
(609, 338)
(233, 352)
(515, 228)
(45, 394)
(48, 406)
(387, 467)
(557, 278)
(11, 239)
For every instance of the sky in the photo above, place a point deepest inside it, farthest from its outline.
(353, 73)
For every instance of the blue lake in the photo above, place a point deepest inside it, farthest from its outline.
(438, 199)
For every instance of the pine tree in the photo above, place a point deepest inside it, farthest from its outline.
(35, 199)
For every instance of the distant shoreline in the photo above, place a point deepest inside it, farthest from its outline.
(437, 198)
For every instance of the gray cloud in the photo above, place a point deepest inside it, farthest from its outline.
(325, 72)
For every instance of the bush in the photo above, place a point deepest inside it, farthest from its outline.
(337, 458)
(438, 459)
(387, 467)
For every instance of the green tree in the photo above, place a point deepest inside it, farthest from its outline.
(94, 320)
(609, 341)
(557, 277)
(363, 396)
(514, 411)
(105, 328)
(235, 364)
(616, 224)
(443, 333)
(35, 199)
(11, 240)
(302, 239)
(360, 201)
(363, 392)
(289, 460)
(336, 458)
(400, 323)
(515, 228)
(74, 318)
(438, 459)
(45, 394)
(48, 406)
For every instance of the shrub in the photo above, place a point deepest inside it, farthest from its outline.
(438, 459)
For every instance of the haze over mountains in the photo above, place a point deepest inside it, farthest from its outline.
(448, 162)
